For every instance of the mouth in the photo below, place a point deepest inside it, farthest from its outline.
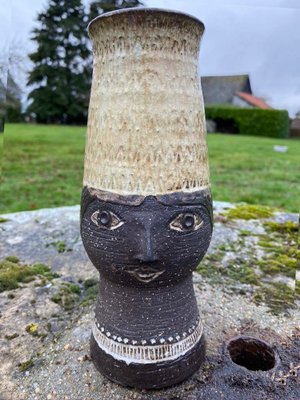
(145, 275)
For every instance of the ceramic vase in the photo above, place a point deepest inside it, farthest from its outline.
(146, 214)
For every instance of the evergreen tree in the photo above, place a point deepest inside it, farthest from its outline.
(61, 73)
(13, 101)
(103, 6)
(2, 110)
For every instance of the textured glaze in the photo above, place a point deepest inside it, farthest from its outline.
(145, 94)
(146, 311)
(146, 215)
(149, 237)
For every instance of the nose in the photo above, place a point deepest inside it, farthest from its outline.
(145, 251)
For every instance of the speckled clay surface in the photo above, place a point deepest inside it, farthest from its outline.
(147, 331)
(146, 219)
(146, 126)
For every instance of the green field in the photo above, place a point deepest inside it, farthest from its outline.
(43, 166)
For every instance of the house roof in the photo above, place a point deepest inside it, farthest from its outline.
(222, 89)
(253, 100)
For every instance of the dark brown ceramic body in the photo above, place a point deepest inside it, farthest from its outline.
(145, 256)
(151, 376)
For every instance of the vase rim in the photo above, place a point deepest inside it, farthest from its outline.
(148, 10)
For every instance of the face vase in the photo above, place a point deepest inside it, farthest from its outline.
(146, 208)
(146, 317)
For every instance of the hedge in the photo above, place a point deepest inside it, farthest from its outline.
(251, 121)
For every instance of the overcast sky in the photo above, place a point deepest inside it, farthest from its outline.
(258, 37)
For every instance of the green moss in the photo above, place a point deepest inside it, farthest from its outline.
(90, 291)
(239, 270)
(278, 296)
(13, 259)
(90, 283)
(287, 262)
(249, 211)
(74, 288)
(60, 246)
(3, 220)
(281, 264)
(11, 337)
(293, 252)
(24, 366)
(44, 271)
(281, 249)
(242, 272)
(289, 227)
(32, 329)
(67, 296)
(12, 273)
(217, 256)
(281, 256)
(245, 232)
(297, 289)
(269, 245)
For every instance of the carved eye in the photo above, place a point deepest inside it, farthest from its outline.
(106, 219)
(186, 222)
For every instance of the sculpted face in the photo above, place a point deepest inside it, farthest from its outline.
(154, 242)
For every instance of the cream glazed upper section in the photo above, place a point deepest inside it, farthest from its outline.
(146, 130)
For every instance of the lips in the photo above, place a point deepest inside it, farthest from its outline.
(145, 274)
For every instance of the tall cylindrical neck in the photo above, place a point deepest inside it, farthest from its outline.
(132, 312)
(146, 125)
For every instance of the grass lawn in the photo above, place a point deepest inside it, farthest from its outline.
(43, 167)
(247, 169)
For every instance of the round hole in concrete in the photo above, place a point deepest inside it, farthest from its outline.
(251, 353)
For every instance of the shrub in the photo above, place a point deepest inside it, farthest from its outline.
(249, 121)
